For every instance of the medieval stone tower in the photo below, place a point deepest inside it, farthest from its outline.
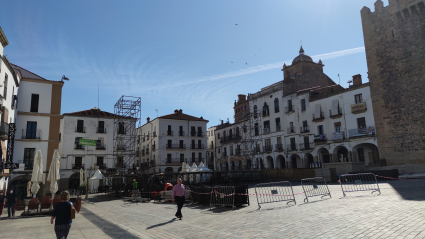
(394, 39)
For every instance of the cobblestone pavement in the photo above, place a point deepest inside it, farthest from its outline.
(399, 212)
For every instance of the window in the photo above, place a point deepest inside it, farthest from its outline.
(200, 157)
(255, 111)
(99, 161)
(306, 143)
(218, 135)
(169, 130)
(293, 146)
(193, 144)
(34, 103)
(358, 99)
(169, 143)
(101, 127)
(361, 123)
(277, 122)
(168, 158)
(256, 129)
(121, 128)
(77, 143)
(199, 144)
(29, 154)
(303, 105)
(290, 106)
(80, 126)
(181, 158)
(192, 130)
(237, 131)
(244, 129)
(78, 163)
(276, 105)
(100, 144)
(181, 133)
(120, 162)
(193, 157)
(320, 129)
(31, 130)
(338, 127)
(200, 131)
(181, 144)
(5, 87)
(231, 150)
(266, 111)
(360, 152)
(246, 107)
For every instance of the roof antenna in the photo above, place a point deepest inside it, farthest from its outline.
(98, 106)
(339, 82)
(156, 113)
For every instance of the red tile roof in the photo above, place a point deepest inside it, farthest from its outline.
(95, 112)
(28, 74)
(178, 115)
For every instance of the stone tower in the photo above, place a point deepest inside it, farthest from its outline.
(394, 39)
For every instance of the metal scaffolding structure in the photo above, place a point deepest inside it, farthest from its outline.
(127, 117)
(251, 136)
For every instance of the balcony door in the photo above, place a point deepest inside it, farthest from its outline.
(31, 130)
(99, 162)
(80, 126)
(78, 162)
(29, 154)
(101, 127)
(306, 143)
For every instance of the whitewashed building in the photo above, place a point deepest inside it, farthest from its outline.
(37, 124)
(93, 124)
(168, 141)
(9, 83)
(304, 121)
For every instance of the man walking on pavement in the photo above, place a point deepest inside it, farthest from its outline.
(179, 195)
(10, 202)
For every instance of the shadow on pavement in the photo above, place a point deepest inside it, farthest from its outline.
(110, 229)
(409, 190)
(161, 224)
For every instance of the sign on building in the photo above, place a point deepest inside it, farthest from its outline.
(88, 142)
(358, 107)
(10, 145)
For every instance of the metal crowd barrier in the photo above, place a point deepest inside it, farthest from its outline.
(314, 187)
(223, 196)
(274, 192)
(359, 182)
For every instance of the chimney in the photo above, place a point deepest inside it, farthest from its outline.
(241, 98)
(148, 119)
(180, 111)
(357, 79)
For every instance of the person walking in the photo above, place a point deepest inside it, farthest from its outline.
(10, 203)
(179, 195)
(62, 216)
(2, 200)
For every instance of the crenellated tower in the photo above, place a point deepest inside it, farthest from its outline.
(394, 38)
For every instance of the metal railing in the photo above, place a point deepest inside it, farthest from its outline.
(278, 127)
(319, 117)
(153, 147)
(304, 129)
(291, 147)
(194, 160)
(279, 147)
(307, 146)
(338, 135)
(291, 130)
(31, 134)
(77, 166)
(200, 134)
(359, 182)
(80, 129)
(366, 131)
(266, 130)
(123, 131)
(274, 192)
(314, 187)
(147, 151)
(101, 166)
(197, 146)
(224, 154)
(266, 112)
(320, 138)
(175, 146)
(77, 146)
(170, 133)
(100, 146)
(181, 133)
(338, 113)
(121, 147)
(193, 133)
(267, 148)
(101, 130)
(289, 109)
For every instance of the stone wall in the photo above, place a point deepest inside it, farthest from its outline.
(394, 39)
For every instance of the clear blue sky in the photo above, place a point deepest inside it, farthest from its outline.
(178, 54)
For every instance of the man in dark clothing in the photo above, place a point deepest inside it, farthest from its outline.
(10, 202)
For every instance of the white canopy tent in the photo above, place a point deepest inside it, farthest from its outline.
(94, 181)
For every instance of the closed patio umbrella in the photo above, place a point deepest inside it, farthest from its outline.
(54, 174)
(81, 177)
(37, 173)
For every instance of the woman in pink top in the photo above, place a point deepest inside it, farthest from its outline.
(179, 195)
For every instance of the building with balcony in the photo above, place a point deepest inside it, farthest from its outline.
(304, 120)
(38, 115)
(9, 83)
(168, 141)
(93, 124)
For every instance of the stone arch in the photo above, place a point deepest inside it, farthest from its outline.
(309, 159)
(280, 161)
(74, 181)
(260, 163)
(239, 165)
(19, 185)
(341, 154)
(248, 164)
(225, 166)
(232, 165)
(220, 166)
(270, 163)
(366, 153)
(168, 170)
(323, 155)
(295, 161)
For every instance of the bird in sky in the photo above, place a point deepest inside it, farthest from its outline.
(236, 24)
(231, 62)
(246, 63)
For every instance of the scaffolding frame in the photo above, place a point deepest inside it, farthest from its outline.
(127, 118)
(252, 137)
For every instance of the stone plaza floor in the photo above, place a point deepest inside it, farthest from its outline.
(399, 212)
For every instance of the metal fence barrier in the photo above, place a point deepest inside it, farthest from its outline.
(274, 192)
(359, 182)
(314, 187)
(223, 196)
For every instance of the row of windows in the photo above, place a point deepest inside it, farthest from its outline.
(182, 158)
(242, 108)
